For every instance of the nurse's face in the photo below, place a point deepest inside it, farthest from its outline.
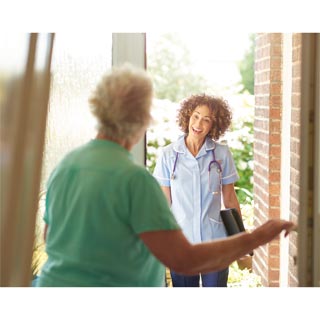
(200, 122)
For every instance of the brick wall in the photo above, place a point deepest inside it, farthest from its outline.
(295, 151)
(267, 149)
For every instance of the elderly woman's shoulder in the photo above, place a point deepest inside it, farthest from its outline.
(139, 174)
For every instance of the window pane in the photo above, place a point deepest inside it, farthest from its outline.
(79, 60)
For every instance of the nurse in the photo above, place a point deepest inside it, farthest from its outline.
(197, 175)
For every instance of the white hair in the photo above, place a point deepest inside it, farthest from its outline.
(121, 102)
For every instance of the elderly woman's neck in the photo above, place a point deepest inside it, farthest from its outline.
(124, 143)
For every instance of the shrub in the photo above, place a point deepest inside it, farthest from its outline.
(242, 278)
(39, 255)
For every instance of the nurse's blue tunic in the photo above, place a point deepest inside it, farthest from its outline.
(196, 190)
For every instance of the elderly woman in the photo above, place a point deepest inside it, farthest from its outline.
(197, 173)
(107, 220)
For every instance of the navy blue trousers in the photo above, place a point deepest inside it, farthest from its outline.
(214, 279)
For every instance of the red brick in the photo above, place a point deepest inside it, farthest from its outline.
(275, 150)
(267, 146)
(262, 100)
(263, 124)
(276, 88)
(275, 113)
(275, 163)
(296, 71)
(274, 213)
(295, 162)
(275, 75)
(274, 188)
(296, 85)
(275, 139)
(276, 50)
(295, 130)
(276, 63)
(274, 250)
(295, 146)
(266, 51)
(275, 126)
(274, 201)
(262, 112)
(294, 207)
(275, 101)
(295, 115)
(274, 263)
(274, 176)
(297, 40)
(273, 284)
(276, 37)
(274, 275)
(295, 100)
(261, 136)
(296, 54)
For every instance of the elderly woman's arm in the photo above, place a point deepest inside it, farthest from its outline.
(174, 250)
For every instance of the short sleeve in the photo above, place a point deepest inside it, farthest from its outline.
(149, 209)
(161, 171)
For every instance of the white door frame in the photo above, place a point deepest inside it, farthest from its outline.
(285, 150)
(309, 215)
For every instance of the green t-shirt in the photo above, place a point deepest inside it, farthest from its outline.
(98, 202)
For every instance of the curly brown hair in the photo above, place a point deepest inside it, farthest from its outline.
(220, 111)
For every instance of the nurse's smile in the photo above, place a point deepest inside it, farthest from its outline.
(196, 131)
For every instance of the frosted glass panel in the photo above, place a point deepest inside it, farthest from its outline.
(78, 63)
(14, 55)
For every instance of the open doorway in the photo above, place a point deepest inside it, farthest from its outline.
(219, 64)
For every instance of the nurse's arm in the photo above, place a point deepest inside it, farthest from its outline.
(167, 193)
(173, 249)
(230, 199)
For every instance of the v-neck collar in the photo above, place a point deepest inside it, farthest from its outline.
(180, 146)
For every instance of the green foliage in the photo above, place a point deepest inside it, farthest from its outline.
(247, 211)
(170, 65)
(246, 68)
(243, 158)
(242, 278)
(151, 156)
(39, 255)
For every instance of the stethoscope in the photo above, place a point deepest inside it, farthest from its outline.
(212, 162)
